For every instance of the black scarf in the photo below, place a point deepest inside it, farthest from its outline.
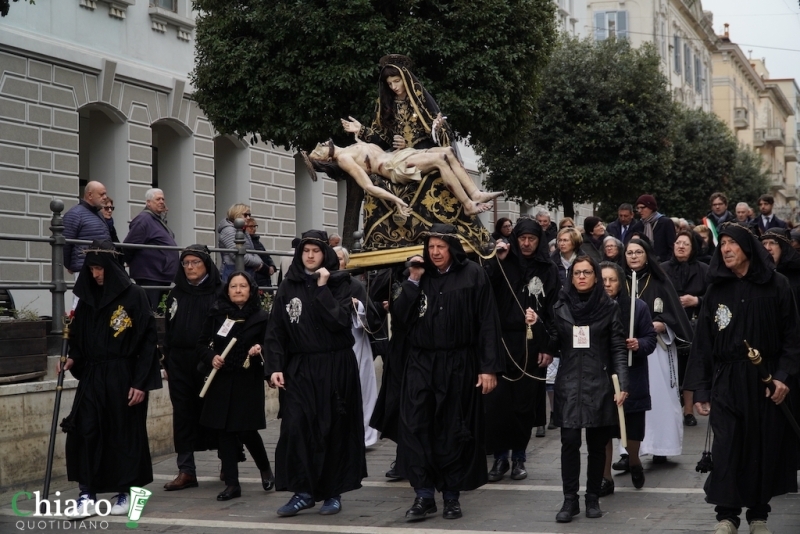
(586, 311)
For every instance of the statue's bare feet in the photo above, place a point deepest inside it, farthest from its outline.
(474, 208)
(486, 196)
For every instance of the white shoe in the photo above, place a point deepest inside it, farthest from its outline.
(725, 527)
(84, 507)
(120, 504)
(759, 527)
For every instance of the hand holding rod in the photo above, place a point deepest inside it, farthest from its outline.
(213, 372)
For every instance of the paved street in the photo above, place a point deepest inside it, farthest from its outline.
(671, 501)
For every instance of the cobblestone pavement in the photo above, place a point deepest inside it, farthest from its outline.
(672, 501)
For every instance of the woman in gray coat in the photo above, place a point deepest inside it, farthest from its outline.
(592, 344)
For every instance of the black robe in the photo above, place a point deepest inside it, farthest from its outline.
(113, 344)
(754, 449)
(519, 402)
(309, 339)
(689, 277)
(453, 336)
(187, 310)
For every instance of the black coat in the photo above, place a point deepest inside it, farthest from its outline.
(615, 229)
(663, 237)
(638, 374)
(688, 278)
(584, 394)
(235, 400)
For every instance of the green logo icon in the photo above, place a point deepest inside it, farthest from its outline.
(139, 497)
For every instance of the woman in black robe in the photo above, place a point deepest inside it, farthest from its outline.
(320, 452)
(234, 402)
(778, 243)
(502, 229)
(518, 403)
(754, 449)
(688, 276)
(592, 342)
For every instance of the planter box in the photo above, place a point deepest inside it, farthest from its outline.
(23, 347)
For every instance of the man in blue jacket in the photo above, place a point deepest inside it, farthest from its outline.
(84, 221)
(152, 267)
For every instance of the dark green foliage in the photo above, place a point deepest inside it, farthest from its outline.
(601, 128)
(289, 70)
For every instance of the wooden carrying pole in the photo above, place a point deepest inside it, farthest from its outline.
(623, 432)
(214, 371)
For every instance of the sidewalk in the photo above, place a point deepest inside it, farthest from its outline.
(672, 500)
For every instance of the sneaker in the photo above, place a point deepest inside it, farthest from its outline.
(120, 504)
(593, 510)
(84, 507)
(759, 526)
(296, 503)
(725, 527)
(569, 509)
(331, 506)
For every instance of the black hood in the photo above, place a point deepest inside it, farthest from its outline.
(653, 266)
(761, 265)
(448, 234)
(529, 226)
(224, 305)
(297, 270)
(115, 279)
(211, 284)
(790, 258)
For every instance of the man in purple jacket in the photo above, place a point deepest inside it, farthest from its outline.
(152, 267)
(84, 221)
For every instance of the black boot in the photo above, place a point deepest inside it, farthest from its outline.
(593, 510)
(499, 469)
(569, 509)
(551, 425)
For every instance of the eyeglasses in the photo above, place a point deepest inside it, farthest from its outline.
(632, 253)
(248, 214)
(582, 274)
(251, 226)
(108, 208)
(191, 263)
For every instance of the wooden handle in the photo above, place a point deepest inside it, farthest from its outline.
(623, 433)
(213, 372)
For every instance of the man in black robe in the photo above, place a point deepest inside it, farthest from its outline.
(113, 355)
(449, 308)
(196, 286)
(523, 278)
(754, 448)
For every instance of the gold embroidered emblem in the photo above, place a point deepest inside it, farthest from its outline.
(120, 321)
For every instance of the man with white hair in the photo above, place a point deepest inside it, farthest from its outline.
(545, 221)
(743, 213)
(152, 267)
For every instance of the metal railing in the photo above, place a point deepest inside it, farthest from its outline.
(58, 286)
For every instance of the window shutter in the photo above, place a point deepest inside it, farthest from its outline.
(622, 24)
(600, 29)
(677, 52)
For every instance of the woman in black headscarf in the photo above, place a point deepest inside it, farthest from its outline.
(502, 229)
(592, 342)
(320, 452)
(234, 402)
(688, 276)
(778, 243)
(406, 115)
(664, 422)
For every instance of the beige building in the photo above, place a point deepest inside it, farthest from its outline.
(761, 113)
(681, 32)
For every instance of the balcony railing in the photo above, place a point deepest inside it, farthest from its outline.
(769, 136)
(776, 180)
(790, 150)
(741, 118)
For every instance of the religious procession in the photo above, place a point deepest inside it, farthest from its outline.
(621, 336)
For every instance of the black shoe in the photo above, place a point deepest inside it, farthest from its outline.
(689, 420)
(551, 425)
(606, 487)
(593, 510)
(421, 508)
(518, 470)
(267, 479)
(637, 476)
(569, 509)
(622, 464)
(659, 459)
(392, 472)
(539, 431)
(230, 492)
(452, 509)
(499, 469)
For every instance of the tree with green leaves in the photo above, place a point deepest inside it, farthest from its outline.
(601, 128)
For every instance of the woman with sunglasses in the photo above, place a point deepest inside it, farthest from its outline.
(592, 343)
(226, 232)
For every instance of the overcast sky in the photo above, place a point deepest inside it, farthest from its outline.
(762, 26)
